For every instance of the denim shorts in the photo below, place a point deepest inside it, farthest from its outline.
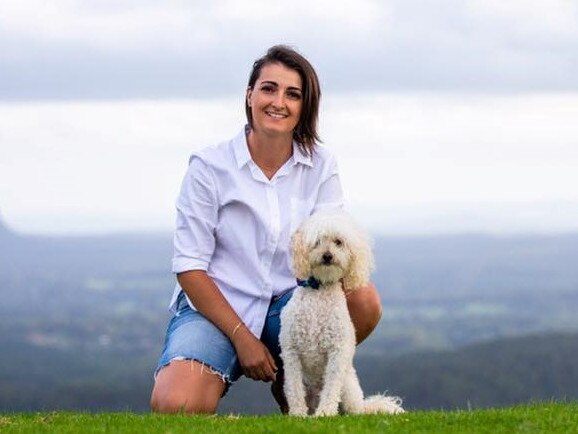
(191, 336)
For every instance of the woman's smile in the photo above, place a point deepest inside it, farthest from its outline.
(276, 115)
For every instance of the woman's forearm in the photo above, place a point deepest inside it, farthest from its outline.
(208, 300)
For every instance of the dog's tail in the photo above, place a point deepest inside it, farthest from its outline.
(382, 404)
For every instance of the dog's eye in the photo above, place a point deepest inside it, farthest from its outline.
(316, 243)
(338, 242)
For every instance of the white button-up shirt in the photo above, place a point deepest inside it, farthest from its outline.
(236, 224)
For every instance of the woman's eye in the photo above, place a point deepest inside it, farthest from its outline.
(338, 242)
(294, 95)
(268, 89)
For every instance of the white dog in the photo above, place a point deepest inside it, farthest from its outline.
(317, 336)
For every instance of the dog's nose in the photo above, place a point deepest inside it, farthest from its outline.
(327, 258)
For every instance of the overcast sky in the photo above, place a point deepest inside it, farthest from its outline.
(445, 116)
(66, 49)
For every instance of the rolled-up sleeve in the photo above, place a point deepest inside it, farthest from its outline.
(197, 213)
(330, 195)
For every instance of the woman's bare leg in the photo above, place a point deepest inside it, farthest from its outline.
(187, 386)
(365, 310)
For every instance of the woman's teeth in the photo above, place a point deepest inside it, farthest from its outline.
(276, 115)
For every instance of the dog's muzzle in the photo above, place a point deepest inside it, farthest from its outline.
(327, 258)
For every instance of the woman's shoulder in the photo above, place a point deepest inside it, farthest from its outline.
(322, 156)
(322, 152)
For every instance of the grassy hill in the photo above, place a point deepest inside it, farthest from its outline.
(549, 418)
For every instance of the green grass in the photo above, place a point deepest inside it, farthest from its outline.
(535, 418)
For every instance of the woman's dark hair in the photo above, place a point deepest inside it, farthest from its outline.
(305, 133)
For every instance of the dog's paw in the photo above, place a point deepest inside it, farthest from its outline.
(350, 408)
(326, 411)
(298, 411)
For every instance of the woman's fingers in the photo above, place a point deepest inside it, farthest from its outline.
(256, 361)
(260, 366)
(254, 357)
(263, 370)
(272, 365)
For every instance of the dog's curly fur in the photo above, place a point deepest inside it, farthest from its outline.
(317, 336)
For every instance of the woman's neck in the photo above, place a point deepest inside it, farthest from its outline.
(269, 152)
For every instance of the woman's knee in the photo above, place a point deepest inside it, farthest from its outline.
(172, 403)
(184, 386)
(373, 308)
(365, 310)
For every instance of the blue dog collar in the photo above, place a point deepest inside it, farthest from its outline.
(311, 282)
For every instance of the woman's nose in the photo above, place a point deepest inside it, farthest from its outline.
(279, 101)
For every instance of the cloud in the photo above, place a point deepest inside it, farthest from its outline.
(523, 22)
(129, 49)
(523, 128)
(117, 165)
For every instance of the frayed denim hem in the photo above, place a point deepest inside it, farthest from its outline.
(204, 366)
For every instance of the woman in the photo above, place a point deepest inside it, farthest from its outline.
(239, 203)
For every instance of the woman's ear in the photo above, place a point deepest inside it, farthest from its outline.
(301, 266)
(248, 96)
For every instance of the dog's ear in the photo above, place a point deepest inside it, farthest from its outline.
(361, 263)
(301, 266)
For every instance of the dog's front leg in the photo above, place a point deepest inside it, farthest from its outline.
(294, 387)
(351, 394)
(333, 383)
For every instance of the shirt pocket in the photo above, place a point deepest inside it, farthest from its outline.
(300, 210)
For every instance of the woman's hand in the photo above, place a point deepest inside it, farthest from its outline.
(255, 359)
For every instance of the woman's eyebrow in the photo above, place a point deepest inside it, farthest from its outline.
(274, 83)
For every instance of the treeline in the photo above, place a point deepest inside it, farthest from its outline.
(36, 378)
(496, 373)
(499, 373)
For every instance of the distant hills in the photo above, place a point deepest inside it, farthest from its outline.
(93, 311)
(4, 231)
(499, 373)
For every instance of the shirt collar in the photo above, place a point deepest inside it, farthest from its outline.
(242, 155)
(299, 157)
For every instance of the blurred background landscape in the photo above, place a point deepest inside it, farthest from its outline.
(469, 321)
(454, 126)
